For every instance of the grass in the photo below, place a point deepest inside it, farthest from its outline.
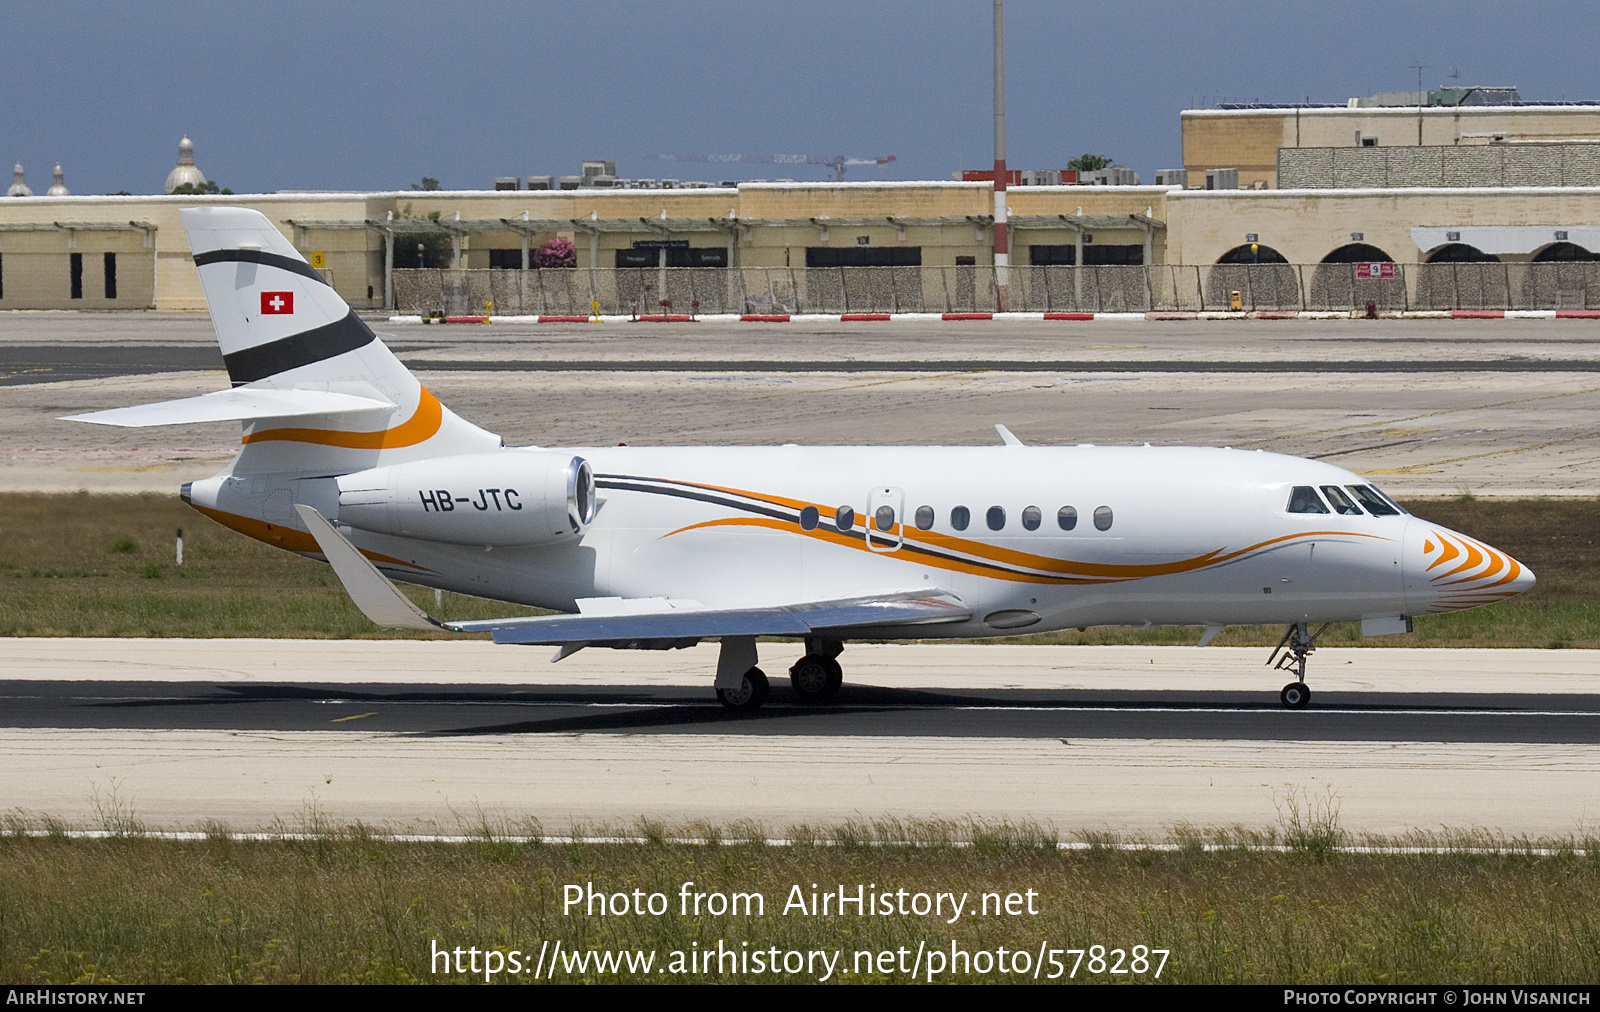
(90, 565)
(319, 904)
(82, 565)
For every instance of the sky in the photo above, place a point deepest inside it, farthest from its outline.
(336, 95)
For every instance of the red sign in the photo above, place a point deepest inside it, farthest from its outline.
(276, 303)
(1374, 270)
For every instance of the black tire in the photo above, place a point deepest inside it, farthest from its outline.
(1296, 695)
(815, 677)
(750, 694)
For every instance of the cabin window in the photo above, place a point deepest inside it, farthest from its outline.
(1340, 502)
(845, 519)
(1031, 518)
(924, 518)
(1304, 499)
(1375, 503)
(883, 519)
(960, 517)
(1102, 518)
(809, 518)
(1067, 517)
(995, 518)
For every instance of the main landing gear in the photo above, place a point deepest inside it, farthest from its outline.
(1290, 655)
(817, 675)
(814, 677)
(750, 694)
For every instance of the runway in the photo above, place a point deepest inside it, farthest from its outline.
(1128, 739)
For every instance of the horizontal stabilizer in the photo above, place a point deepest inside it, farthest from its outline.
(240, 403)
(372, 592)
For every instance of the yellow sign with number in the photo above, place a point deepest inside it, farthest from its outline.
(319, 260)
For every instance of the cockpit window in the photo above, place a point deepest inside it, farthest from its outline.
(1375, 503)
(1389, 499)
(1304, 499)
(1340, 502)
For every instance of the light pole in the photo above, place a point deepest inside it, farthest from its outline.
(1002, 252)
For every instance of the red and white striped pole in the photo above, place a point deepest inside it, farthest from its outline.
(1002, 253)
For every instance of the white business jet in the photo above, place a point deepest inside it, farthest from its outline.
(347, 458)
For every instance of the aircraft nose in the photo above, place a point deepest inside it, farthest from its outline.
(1448, 571)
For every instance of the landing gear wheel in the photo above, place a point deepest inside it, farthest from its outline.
(815, 677)
(750, 694)
(1296, 695)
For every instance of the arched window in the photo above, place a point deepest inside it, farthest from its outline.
(1459, 276)
(1246, 255)
(1460, 253)
(1261, 275)
(1356, 253)
(1341, 282)
(1563, 252)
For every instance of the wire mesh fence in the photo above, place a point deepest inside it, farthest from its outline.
(575, 291)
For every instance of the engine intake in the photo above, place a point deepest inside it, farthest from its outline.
(505, 499)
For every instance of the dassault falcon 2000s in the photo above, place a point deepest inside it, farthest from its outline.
(348, 458)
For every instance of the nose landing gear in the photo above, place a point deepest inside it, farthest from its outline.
(1290, 655)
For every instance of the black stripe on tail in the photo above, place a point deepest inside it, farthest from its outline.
(255, 256)
(305, 348)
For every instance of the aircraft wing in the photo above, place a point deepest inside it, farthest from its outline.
(690, 623)
(621, 622)
(241, 403)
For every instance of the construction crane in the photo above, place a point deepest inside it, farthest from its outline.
(838, 162)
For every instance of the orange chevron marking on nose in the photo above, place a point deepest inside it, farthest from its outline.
(1473, 560)
(1450, 551)
(1500, 562)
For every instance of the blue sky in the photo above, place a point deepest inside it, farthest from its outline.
(336, 95)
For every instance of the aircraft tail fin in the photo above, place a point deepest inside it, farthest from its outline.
(282, 327)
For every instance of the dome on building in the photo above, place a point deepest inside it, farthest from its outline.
(185, 171)
(58, 186)
(19, 188)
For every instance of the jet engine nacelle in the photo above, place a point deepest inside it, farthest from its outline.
(505, 499)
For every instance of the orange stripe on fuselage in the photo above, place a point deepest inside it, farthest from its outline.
(1058, 571)
(422, 424)
(287, 537)
(1006, 556)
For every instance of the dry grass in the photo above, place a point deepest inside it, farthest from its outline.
(346, 905)
(82, 565)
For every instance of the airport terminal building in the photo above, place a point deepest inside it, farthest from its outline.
(1333, 210)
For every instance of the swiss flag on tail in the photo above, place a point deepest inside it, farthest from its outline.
(276, 303)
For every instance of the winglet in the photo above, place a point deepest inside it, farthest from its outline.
(1006, 435)
(372, 592)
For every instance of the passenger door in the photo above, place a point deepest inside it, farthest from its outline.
(885, 519)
